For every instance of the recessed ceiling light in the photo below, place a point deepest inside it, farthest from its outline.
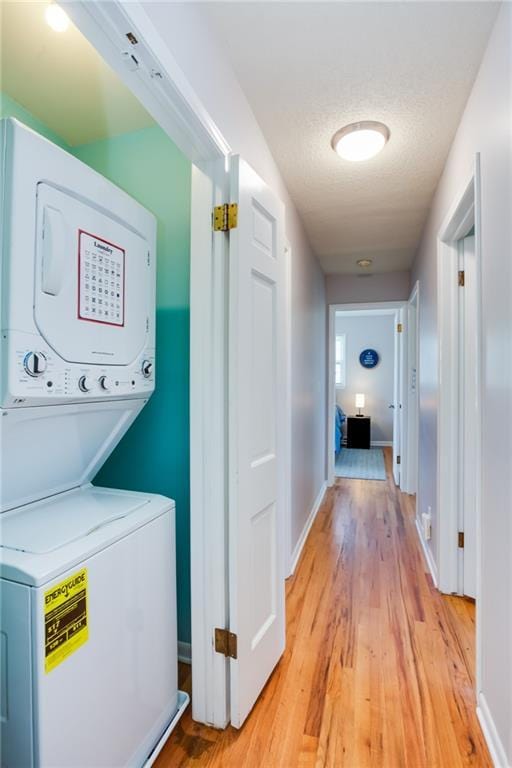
(56, 18)
(364, 263)
(360, 141)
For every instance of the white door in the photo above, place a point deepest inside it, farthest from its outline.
(397, 397)
(469, 412)
(256, 412)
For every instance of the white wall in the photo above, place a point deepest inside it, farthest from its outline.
(189, 38)
(371, 332)
(485, 128)
(384, 286)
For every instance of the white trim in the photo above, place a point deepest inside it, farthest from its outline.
(158, 82)
(465, 209)
(458, 220)
(163, 89)
(410, 474)
(427, 553)
(287, 426)
(494, 743)
(377, 308)
(305, 531)
(208, 447)
(184, 652)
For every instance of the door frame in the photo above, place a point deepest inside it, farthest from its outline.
(288, 423)
(464, 212)
(164, 90)
(382, 307)
(410, 484)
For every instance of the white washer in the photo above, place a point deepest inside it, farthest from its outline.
(88, 668)
(106, 700)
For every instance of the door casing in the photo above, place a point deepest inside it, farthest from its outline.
(463, 214)
(382, 307)
(173, 103)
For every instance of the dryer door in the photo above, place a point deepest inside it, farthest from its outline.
(92, 282)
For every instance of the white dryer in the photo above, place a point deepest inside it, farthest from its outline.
(87, 575)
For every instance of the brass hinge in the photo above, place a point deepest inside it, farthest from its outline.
(226, 643)
(399, 328)
(398, 459)
(225, 217)
(462, 278)
(461, 539)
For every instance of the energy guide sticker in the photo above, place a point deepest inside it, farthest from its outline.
(65, 619)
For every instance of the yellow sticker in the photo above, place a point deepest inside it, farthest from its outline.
(65, 619)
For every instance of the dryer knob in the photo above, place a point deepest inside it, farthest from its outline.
(104, 383)
(147, 368)
(35, 363)
(85, 384)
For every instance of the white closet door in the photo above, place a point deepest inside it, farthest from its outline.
(256, 413)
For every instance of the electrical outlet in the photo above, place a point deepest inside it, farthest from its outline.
(426, 519)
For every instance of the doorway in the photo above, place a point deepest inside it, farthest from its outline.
(367, 406)
(459, 419)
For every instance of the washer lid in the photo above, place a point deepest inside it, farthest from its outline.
(55, 522)
(43, 540)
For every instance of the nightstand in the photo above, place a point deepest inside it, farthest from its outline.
(358, 431)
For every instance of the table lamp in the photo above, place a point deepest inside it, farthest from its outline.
(359, 403)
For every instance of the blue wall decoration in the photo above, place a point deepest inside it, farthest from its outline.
(369, 358)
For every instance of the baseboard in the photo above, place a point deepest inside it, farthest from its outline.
(496, 748)
(305, 531)
(428, 554)
(184, 652)
(374, 443)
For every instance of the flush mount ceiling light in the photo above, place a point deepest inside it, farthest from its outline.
(56, 18)
(360, 141)
(364, 263)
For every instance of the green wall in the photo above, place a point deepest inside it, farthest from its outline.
(11, 108)
(154, 454)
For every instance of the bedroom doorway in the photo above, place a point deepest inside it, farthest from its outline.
(367, 408)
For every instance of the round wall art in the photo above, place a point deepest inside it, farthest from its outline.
(369, 358)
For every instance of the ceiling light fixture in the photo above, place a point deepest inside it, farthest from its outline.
(360, 141)
(56, 18)
(364, 263)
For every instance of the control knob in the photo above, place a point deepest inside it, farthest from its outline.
(85, 383)
(35, 363)
(147, 368)
(104, 383)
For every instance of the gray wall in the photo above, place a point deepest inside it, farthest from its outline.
(190, 40)
(374, 332)
(385, 286)
(485, 128)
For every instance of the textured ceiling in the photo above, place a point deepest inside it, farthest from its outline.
(309, 68)
(61, 79)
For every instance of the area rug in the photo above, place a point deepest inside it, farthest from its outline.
(361, 464)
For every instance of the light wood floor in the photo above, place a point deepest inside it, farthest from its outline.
(378, 668)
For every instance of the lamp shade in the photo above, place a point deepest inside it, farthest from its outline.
(359, 401)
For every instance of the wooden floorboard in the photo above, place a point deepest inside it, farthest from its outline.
(379, 667)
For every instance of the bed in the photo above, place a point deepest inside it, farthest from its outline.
(339, 420)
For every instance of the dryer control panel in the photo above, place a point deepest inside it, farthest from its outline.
(40, 377)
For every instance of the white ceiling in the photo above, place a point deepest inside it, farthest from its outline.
(61, 79)
(309, 68)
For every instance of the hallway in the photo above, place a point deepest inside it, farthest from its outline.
(378, 669)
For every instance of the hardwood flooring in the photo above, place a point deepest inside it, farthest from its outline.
(379, 667)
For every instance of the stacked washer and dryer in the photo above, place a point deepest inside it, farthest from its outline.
(87, 575)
